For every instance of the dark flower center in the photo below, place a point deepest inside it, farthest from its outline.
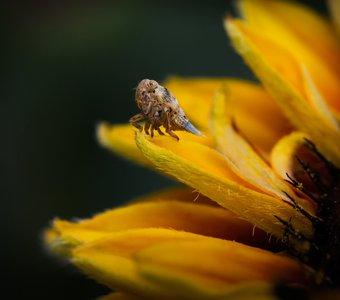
(318, 180)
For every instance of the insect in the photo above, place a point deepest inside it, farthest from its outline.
(159, 107)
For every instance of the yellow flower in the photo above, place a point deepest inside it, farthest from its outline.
(257, 174)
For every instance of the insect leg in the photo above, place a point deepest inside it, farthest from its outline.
(168, 130)
(168, 127)
(135, 119)
(147, 126)
(159, 130)
(152, 129)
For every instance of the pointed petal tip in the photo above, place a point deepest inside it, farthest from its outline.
(191, 128)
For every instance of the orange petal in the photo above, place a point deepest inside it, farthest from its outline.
(254, 108)
(318, 102)
(208, 172)
(244, 161)
(120, 140)
(109, 260)
(176, 194)
(195, 96)
(293, 155)
(273, 65)
(284, 152)
(191, 217)
(123, 262)
(308, 37)
(211, 266)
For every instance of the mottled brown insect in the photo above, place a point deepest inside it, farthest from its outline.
(159, 107)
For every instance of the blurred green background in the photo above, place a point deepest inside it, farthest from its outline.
(67, 66)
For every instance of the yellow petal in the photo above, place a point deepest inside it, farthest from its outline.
(195, 96)
(272, 64)
(209, 267)
(109, 260)
(256, 114)
(191, 217)
(208, 172)
(242, 158)
(176, 194)
(120, 140)
(54, 244)
(254, 108)
(120, 262)
(318, 102)
(283, 154)
(308, 37)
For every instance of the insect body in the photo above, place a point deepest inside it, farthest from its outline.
(159, 107)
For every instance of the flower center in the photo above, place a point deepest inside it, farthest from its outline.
(317, 179)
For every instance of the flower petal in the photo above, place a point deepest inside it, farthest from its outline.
(242, 158)
(120, 140)
(254, 108)
(314, 44)
(295, 156)
(208, 172)
(185, 216)
(209, 267)
(195, 96)
(184, 194)
(284, 152)
(122, 262)
(317, 101)
(109, 260)
(273, 65)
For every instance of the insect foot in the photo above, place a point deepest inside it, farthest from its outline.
(159, 107)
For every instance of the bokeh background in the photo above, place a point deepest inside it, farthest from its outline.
(67, 66)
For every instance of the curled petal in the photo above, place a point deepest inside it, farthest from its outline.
(296, 157)
(283, 156)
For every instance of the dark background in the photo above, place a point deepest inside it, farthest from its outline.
(67, 66)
